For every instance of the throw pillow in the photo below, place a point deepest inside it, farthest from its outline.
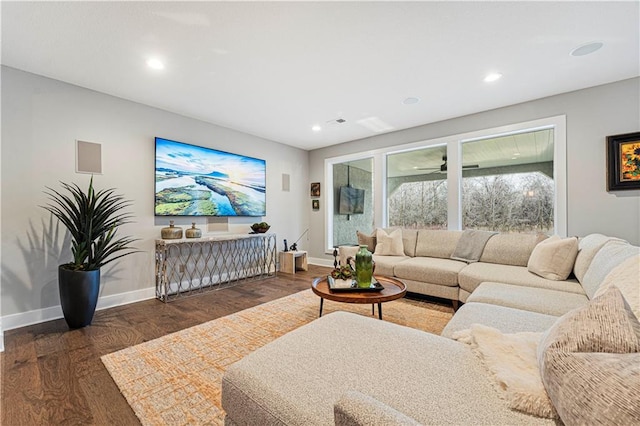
(368, 240)
(512, 363)
(590, 362)
(626, 277)
(553, 258)
(389, 244)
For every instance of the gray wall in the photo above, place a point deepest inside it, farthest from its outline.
(41, 120)
(592, 115)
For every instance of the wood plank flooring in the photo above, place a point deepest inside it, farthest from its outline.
(53, 376)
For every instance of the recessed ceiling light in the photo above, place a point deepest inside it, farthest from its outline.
(494, 76)
(411, 101)
(155, 63)
(316, 128)
(586, 49)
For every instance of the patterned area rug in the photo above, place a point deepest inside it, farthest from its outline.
(176, 379)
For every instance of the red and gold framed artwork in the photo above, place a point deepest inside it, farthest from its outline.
(623, 161)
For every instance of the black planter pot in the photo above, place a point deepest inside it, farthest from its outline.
(78, 295)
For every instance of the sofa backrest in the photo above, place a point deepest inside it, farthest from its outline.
(510, 249)
(587, 248)
(436, 243)
(612, 254)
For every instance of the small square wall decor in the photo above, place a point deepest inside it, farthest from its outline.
(623, 161)
(315, 204)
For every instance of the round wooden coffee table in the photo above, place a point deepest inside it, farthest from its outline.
(393, 289)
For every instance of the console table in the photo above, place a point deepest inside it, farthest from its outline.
(191, 266)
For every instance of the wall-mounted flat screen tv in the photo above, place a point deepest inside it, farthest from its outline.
(351, 200)
(197, 181)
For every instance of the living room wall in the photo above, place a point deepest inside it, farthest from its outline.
(41, 120)
(591, 115)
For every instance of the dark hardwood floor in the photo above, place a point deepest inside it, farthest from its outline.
(53, 376)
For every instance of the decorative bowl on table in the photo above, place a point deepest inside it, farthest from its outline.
(260, 228)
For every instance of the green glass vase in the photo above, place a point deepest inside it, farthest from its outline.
(364, 267)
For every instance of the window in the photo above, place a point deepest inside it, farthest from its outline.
(509, 179)
(352, 200)
(507, 183)
(417, 188)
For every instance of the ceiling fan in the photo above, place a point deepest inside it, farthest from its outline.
(443, 166)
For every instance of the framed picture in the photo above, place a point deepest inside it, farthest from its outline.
(315, 189)
(623, 161)
(315, 204)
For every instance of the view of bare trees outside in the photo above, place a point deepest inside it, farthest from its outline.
(508, 203)
(520, 202)
(419, 205)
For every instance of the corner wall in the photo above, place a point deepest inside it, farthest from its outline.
(41, 120)
(592, 115)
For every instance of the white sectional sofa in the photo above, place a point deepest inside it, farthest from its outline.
(328, 371)
(426, 265)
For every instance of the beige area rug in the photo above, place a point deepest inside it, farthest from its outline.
(176, 379)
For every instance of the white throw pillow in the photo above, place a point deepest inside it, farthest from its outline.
(553, 258)
(389, 244)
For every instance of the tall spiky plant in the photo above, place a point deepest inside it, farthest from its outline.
(93, 219)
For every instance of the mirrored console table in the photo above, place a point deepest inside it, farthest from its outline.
(190, 266)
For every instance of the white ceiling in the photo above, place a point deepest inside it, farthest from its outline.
(275, 69)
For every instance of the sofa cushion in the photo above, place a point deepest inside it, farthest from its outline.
(625, 276)
(384, 265)
(606, 259)
(590, 363)
(541, 300)
(587, 249)
(368, 240)
(474, 274)
(389, 244)
(553, 258)
(297, 378)
(357, 409)
(510, 249)
(437, 243)
(430, 269)
(507, 320)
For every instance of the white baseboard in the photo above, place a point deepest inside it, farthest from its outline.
(320, 261)
(1, 337)
(23, 319)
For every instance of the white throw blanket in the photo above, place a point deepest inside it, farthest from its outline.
(512, 361)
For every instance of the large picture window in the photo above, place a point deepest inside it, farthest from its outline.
(507, 183)
(507, 179)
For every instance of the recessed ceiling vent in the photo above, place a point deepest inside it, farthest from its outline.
(337, 121)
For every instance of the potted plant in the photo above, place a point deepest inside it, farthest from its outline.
(342, 276)
(92, 218)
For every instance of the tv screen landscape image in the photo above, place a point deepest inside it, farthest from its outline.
(197, 181)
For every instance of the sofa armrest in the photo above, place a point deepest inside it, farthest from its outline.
(355, 409)
(345, 252)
